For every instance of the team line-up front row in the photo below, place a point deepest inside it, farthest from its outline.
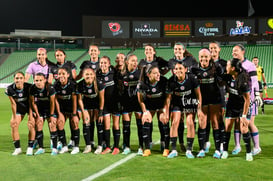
(102, 92)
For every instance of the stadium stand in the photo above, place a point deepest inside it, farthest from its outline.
(18, 60)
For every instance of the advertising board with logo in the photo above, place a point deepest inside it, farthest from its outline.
(177, 28)
(115, 29)
(240, 26)
(146, 29)
(266, 26)
(208, 28)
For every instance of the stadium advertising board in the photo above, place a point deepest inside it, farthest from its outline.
(177, 28)
(146, 29)
(240, 26)
(266, 26)
(115, 29)
(208, 28)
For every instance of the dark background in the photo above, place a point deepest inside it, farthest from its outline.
(67, 15)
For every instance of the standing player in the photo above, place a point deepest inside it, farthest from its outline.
(239, 53)
(183, 97)
(18, 94)
(238, 104)
(42, 99)
(181, 55)
(66, 107)
(91, 102)
(107, 75)
(93, 63)
(41, 65)
(211, 99)
(60, 56)
(152, 59)
(128, 90)
(261, 77)
(151, 97)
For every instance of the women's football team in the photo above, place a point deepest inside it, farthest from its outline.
(102, 94)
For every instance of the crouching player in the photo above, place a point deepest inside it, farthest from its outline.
(151, 97)
(18, 94)
(238, 104)
(66, 106)
(42, 99)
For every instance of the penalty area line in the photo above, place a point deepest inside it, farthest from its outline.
(109, 168)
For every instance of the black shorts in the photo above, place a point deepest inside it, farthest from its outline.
(236, 113)
(130, 104)
(260, 86)
(112, 108)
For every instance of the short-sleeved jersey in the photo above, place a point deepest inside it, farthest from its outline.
(260, 72)
(64, 95)
(89, 64)
(89, 96)
(154, 95)
(67, 64)
(222, 62)
(110, 82)
(36, 67)
(158, 62)
(42, 96)
(235, 99)
(188, 61)
(130, 81)
(208, 83)
(21, 97)
(183, 93)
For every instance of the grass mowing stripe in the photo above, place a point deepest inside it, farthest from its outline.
(109, 168)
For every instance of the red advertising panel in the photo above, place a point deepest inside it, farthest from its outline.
(177, 28)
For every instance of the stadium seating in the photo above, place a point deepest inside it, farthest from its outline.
(19, 60)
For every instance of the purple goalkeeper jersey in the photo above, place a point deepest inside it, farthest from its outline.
(252, 72)
(36, 67)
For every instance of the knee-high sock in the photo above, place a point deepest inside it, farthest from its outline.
(201, 138)
(181, 132)
(146, 134)
(77, 137)
(126, 133)
(255, 139)
(62, 137)
(189, 143)
(86, 133)
(216, 136)
(207, 132)
(246, 138)
(161, 130)
(173, 142)
(116, 134)
(107, 137)
(99, 132)
(40, 138)
(54, 138)
(226, 140)
(139, 132)
(166, 130)
(92, 130)
(237, 137)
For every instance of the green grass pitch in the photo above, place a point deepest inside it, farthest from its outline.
(155, 167)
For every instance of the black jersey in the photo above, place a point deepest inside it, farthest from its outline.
(158, 62)
(42, 98)
(89, 96)
(64, 95)
(67, 64)
(208, 83)
(188, 61)
(89, 64)
(235, 99)
(21, 97)
(129, 98)
(222, 62)
(154, 95)
(183, 93)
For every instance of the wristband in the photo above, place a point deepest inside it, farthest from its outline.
(243, 116)
(52, 115)
(264, 84)
(145, 113)
(74, 114)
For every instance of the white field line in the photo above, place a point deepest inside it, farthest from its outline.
(114, 165)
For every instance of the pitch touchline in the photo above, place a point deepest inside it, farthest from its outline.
(114, 165)
(109, 168)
